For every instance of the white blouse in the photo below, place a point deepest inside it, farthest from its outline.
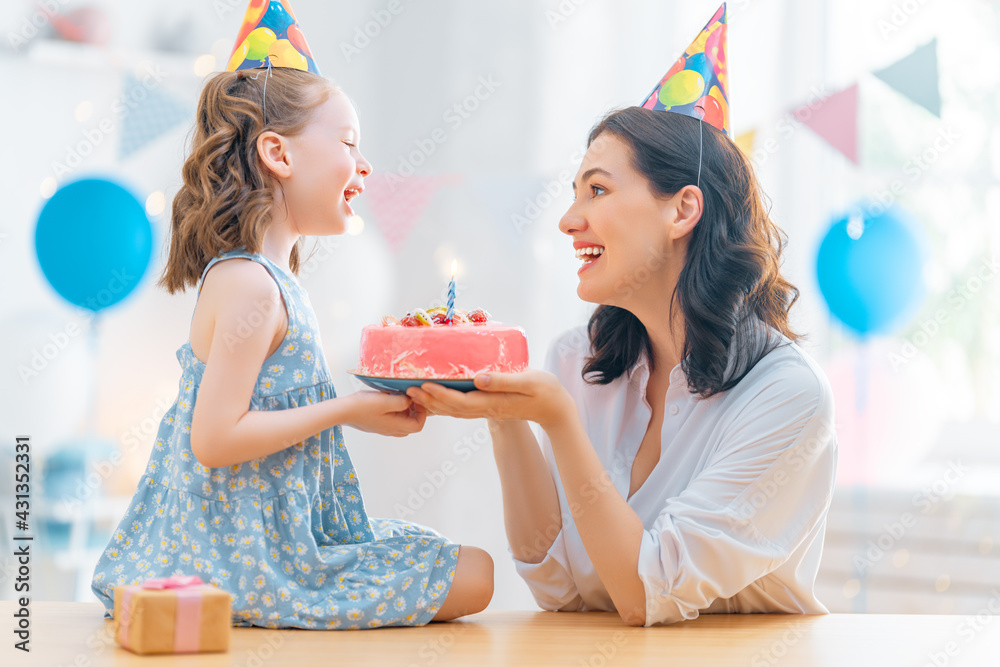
(734, 511)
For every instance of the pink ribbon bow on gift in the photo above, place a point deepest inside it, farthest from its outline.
(176, 581)
(187, 628)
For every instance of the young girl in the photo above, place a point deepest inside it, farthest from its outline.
(263, 501)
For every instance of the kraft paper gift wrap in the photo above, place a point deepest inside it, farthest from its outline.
(173, 615)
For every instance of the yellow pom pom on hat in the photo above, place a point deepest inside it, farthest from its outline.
(697, 84)
(270, 35)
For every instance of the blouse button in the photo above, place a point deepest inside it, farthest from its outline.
(674, 409)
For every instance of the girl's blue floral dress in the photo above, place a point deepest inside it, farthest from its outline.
(287, 535)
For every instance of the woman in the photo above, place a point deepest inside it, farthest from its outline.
(687, 448)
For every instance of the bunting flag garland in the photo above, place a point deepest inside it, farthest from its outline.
(149, 112)
(397, 202)
(835, 119)
(916, 77)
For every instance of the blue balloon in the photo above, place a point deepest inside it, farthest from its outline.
(277, 19)
(94, 242)
(871, 275)
(699, 63)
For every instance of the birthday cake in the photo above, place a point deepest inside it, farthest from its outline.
(426, 344)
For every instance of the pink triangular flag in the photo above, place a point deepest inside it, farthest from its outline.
(835, 119)
(397, 202)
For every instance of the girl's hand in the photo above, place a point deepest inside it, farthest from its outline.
(385, 414)
(530, 395)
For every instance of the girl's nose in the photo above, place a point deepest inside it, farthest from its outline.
(364, 166)
(572, 222)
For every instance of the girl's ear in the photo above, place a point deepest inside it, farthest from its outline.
(688, 202)
(274, 152)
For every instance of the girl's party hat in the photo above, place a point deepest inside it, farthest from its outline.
(271, 37)
(698, 83)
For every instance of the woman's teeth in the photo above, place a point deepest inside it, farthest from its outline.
(590, 253)
(351, 193)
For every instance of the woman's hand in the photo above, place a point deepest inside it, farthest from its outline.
(530, 395)
(385, 414)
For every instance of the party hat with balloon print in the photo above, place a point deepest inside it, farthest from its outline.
(698, 83)
(270, 35)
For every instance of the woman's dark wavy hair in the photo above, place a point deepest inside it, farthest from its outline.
(730, 290)
(227, 196)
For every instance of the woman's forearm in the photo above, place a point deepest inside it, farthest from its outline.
(259, 433)
(530, 502)
(610, 530)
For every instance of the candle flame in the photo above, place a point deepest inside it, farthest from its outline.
(454, 267)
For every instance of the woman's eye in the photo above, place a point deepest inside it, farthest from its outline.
(348, 143)
(597, 190)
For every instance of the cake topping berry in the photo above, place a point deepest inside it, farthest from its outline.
(437, 316)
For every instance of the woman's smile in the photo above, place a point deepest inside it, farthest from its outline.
(588, 252)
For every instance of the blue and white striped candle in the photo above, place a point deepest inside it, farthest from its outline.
(451, 294)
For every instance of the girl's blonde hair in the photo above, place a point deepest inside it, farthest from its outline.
(227, 196)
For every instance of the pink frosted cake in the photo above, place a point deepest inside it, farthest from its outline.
(424, 345)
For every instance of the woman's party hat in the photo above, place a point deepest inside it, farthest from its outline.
(270, 36)
(698, 83)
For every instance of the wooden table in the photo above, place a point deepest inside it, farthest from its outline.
(69, 633)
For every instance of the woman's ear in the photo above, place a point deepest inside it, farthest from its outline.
(274, 152)
(688, 202)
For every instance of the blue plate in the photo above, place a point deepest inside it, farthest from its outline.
(400, 385)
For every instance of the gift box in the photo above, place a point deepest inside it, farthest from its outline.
(174, 615)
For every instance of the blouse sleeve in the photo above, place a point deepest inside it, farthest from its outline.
(550, 581)
(767, 488)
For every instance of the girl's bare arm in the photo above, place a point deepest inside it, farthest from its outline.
(224, 431)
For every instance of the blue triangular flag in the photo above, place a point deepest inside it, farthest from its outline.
(916, 77)
(149, 113)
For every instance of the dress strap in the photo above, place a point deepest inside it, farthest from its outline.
(229, 254)
(279, 276)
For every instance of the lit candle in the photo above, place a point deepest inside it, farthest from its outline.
(451, 294)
